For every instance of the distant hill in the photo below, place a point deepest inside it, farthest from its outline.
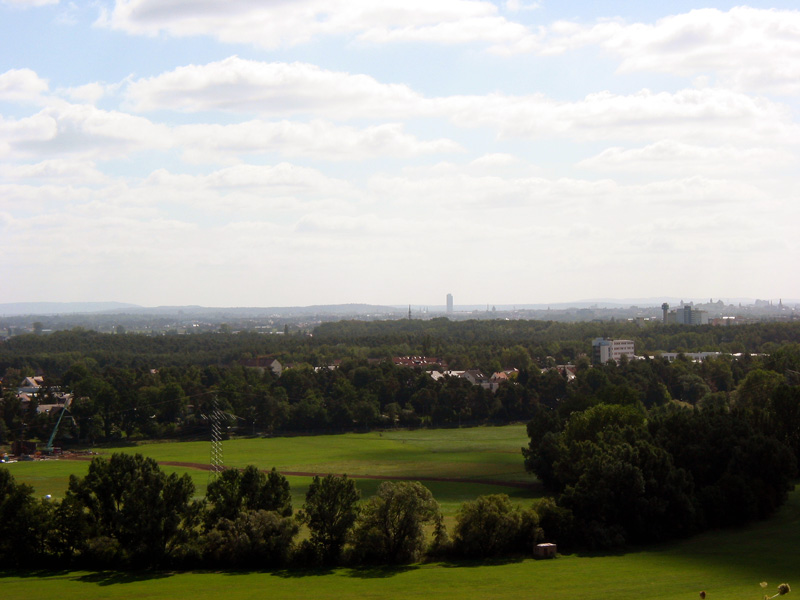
(256, 311)
(14, 309)
(343, 311)
(62, 308)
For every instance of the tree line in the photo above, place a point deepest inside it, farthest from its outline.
(127, 513)
(482, 344)
(620, 472)
(112, 403)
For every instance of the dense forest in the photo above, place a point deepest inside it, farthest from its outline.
(138, 386)
(463, 344)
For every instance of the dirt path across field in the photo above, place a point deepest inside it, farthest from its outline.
(207, 467)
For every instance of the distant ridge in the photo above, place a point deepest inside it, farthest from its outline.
(13, 309)
(261, 311)
(16, 309)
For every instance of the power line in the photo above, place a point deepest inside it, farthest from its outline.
(217, 462)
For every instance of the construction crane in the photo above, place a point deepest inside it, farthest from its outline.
(48, 449)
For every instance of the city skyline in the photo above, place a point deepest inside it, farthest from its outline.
(365, 152)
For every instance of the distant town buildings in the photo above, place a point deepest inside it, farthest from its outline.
(686, 315)
(419, 361)
(46, 399)
(604, 350)
(449, 304)
(263, 363)
(476, 377)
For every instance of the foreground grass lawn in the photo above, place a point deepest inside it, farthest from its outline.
(727, 564)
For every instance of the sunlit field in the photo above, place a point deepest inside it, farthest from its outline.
(479, 459)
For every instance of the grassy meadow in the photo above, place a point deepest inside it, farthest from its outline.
(475, 456)
(726, 564)
(479, 453)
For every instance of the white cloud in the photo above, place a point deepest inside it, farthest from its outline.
(686, 115)
(745, 49)
(316, 139)
(499, 163)
(494, 30)
(230, 221)
(253, 87)
(276, 24)
(250, 189)
(22, 85)
(59, 170)
(282, 89)
(80, 130)
(668, 158)
(90, 93)
(65, 129)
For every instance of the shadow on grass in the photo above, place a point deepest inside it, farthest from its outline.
(118, 577)
(37, 573)
(363, 572)
(300, 572)
(380, 571)
(486, 562)
(614, 551)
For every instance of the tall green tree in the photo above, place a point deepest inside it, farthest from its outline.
(492, 526)
(235, 491)
(19, 522)
(130, 500)
(390, 526)
(330, 510)
(255, 539)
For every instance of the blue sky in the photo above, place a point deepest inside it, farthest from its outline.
(253, 153)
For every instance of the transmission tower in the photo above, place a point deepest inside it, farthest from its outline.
(216, 418)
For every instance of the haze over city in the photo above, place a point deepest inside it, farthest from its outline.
(287, 154)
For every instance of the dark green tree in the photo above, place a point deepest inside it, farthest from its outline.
(390, 526)
(493, 526)
(330, 510)
(235, 491)
(21, 526)
(255, 539)
(131, 501)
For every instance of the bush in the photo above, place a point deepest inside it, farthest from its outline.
(390, 527)
(493, 526)
(557, 523)
(255, 539)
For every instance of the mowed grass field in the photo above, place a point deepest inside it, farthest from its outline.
(479, 453)
(726, 564)
(479, 458)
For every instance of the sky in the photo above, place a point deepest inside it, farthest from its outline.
(299, 152)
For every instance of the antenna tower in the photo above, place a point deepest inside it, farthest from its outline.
(216, 417)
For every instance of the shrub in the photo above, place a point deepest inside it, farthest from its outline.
(390, 527)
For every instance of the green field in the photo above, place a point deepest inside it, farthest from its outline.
(480, 453)
(477, 455)
(727, 564)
